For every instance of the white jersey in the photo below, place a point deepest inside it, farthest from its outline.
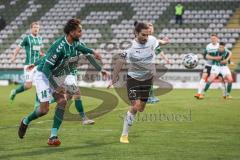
(141, 59)
(210, 48)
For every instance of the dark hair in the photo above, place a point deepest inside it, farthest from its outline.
(214, 34)
(71, 25)
(139, 26)
(222, 44)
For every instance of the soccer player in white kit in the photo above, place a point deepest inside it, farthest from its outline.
(141, 59)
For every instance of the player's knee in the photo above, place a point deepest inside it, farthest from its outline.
(44, 108)
(142, 106)
(141, 109)
(77, 96)
(62, 102)
(28, 85)
(45, 111)
(230, 81)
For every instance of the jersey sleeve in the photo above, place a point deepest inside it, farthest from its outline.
(154, 41)
(94, 62)
(83, 49)
(52, 56)
(24, 42)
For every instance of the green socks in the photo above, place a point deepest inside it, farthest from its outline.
(207, 86)
(32, 116)
(79, 107)
(57, 120)
(229, 88)
(20, 89)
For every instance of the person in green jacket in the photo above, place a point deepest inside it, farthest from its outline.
(179, 11)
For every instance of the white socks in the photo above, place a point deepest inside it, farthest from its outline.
(201, 86)
(224, 88)
(128, 121)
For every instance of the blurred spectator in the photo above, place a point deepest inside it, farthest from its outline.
(2, 23)
(179, 11)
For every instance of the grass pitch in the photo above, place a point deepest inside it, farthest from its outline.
(179, 127)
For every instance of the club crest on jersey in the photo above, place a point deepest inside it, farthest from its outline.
(53, 58)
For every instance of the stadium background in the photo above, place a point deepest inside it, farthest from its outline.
(211, 129)
(108, 27)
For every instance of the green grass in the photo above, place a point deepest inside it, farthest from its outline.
(211, 133)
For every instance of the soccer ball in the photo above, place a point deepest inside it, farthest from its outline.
(190, 61)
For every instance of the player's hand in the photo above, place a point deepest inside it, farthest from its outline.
(105, 73)
(218, 58)
(110, 84)
(42, 54)
(60, 90)
(13, 58)
(30, 67)
(224, 62)
(167, 40)
(97, 55)
(168, 61)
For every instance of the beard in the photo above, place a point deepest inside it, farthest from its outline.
(76, 38)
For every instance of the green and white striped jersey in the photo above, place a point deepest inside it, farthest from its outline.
(60, 55)
(32, 45)
(224, 55)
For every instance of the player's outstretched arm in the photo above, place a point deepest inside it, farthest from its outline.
(98, 67)
(163, 56)
(85, 50)
(217, 58)
(164, 41)
(93, 62)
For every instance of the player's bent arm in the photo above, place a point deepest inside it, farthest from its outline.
(94, 62)
(16, 51)
(164, 41)
(47, 71)
(225, 61)
(47, 68)
(229, 56)
(85, 50)
(209, 57)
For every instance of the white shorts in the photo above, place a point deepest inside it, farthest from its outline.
(224, 70)
(43, 89)
(28, 75)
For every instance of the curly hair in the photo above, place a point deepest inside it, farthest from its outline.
(71, 25)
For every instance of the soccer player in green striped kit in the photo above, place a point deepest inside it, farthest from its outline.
(32, 44)
(57, 57)
(220, 60)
